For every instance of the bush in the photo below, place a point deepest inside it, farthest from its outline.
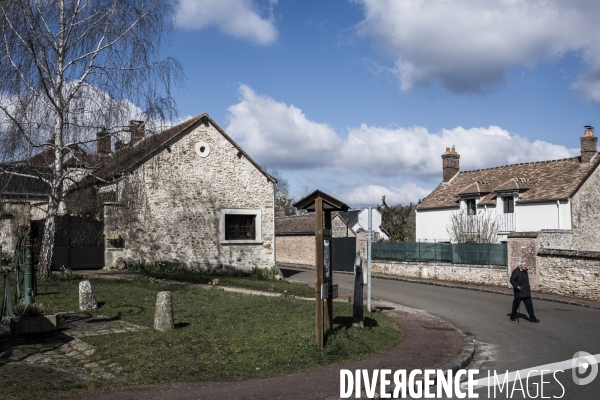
(65, 274)
(267, 273)
(223, 270)
(165, 267)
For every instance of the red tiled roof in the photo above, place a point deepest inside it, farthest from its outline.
(536, 181)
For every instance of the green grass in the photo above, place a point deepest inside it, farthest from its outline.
(248, 280)
(218, 336)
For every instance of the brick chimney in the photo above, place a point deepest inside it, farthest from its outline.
(103, 142)
(137, 130)
(450, 165)
(280, 213)
(589, 144)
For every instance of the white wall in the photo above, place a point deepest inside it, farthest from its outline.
(536, 216)
(431, 224)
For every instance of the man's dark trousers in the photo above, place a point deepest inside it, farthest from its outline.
(528, 305)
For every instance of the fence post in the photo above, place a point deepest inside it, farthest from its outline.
(419, 251)
(434, 250)
(469, 252)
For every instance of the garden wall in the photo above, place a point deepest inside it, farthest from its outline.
(295, 250)
(491, 275)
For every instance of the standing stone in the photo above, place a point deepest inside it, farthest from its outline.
(163, 317)
(87, 300)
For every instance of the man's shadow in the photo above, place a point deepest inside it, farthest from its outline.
(521, 316)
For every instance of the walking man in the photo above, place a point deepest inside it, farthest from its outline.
(519, 279)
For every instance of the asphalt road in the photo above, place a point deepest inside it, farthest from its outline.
(564, 330)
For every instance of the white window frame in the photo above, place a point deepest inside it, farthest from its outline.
(241, 211)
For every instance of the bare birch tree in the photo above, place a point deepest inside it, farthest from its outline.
(479, 228)
(70, 68)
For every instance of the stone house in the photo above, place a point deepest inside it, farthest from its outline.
(295, 237)
(189, 194)
(548, 212)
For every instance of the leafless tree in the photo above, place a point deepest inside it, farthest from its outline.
(70, 68)
(479, 228)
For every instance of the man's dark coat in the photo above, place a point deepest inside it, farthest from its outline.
(520, 278)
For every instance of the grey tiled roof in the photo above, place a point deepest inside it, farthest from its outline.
(295, 225)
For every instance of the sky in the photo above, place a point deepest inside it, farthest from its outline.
(359, 98)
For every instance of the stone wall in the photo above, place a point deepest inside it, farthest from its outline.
(339, 228)
(169, 207)
(570, 276)
(523, 245)
(12, 217)
(477, 274)
(585, 214)
(296, 250)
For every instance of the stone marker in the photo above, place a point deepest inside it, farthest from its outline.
(271, 288)
(163, 317)
(87, 300)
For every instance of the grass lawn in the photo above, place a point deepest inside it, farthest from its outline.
(218, 336)
(247, 282)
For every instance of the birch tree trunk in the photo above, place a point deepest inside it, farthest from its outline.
(69, 69)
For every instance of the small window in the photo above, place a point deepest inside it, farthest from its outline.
(509, 205)
(240, 227)
(471, 207)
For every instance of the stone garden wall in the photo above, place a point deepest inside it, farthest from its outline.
(296, 250)
(477, 274)
(570, 273)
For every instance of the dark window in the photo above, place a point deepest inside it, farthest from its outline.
(471, 207)
(240, 227)
(509, 205)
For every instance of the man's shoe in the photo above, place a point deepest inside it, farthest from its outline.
(534, 320)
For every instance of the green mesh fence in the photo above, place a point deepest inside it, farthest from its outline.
(458, 253)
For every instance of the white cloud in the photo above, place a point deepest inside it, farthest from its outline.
(279, 135)
(381, 160)
(237, 18)
(371, 194)
(413, 151)
(468, 45)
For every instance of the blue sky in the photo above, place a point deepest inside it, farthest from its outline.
(359, 98)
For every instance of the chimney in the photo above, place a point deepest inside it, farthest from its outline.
(589, 144)
(103, 142)
(450, 165)
(280, 213)
(137, 129)
(119, 145)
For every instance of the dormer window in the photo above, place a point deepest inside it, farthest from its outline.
(508, 204)
(471, 207)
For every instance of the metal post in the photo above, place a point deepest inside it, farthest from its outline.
(369, 236)
(28, 273)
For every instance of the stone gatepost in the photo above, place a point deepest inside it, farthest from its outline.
(87, 300)
(163, 317)
(524, 245)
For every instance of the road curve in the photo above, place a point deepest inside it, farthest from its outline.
(564, 329)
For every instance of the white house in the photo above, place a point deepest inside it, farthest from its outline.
(526, 197)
